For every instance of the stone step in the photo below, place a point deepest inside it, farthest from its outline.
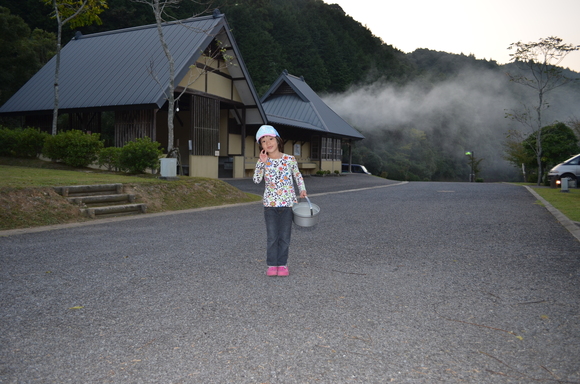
(115, 210)
(99, 200)
(102, 200)
(89, 190)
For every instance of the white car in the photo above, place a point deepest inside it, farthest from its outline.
(569, 168)
(355, 168)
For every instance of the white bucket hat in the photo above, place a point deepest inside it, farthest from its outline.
(266, 130)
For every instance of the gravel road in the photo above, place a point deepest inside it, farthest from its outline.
(405, 283)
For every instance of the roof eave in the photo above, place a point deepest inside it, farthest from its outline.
(244, 69)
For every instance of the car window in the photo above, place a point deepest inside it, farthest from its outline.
(574, 161)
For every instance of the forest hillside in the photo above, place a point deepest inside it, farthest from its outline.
(419, 111)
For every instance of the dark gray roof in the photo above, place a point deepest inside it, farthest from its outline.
(290, 101)
(111, 69)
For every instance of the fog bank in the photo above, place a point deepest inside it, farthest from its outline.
(464, 113)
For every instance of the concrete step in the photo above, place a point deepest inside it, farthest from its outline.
(89, 190)
(102, 200)
(115, 210)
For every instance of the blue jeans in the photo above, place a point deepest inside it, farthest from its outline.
(279, 229)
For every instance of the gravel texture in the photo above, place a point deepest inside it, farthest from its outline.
(405, 283)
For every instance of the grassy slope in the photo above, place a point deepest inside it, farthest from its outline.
(27, 198)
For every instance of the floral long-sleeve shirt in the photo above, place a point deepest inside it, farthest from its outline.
(277, 175)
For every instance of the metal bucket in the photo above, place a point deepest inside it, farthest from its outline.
(306, 214)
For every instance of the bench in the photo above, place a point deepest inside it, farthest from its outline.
(307, 165)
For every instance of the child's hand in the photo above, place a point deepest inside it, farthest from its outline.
(303, 194)
(263, 156)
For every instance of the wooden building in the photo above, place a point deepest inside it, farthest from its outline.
(125, 74)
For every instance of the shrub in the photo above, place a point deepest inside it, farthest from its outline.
(31, 142)
(109, 157)
(19, 142)
(138, 155)
(74, 148)
(7, 141)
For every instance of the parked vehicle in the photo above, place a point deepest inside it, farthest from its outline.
(355, 168)
(569, 168)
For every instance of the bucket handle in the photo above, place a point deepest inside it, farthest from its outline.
(310, 206)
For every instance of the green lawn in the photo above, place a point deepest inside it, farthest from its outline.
(18, 177)
(566, 202)
(27, 197)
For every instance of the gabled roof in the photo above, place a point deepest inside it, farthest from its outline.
(290, 101)
(112, 69)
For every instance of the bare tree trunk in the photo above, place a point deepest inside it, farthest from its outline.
(60, 23)
(56, 71)
(170, 97)
(539, 138)
(158, 11)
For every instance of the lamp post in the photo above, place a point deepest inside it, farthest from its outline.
(472, 159)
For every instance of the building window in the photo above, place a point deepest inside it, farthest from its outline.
(330, 149)
(315, 148)
(324, 148)
(205, 127)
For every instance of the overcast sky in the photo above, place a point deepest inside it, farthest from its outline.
(484, 28)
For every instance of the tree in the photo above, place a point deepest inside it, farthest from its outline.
(76, 13)
(252, 25)
(368, 158)
(539, 60)
(559, 142)
(22, 52)
(515, 152)
(214, 53)
(575, 125)
(158, 8)
(473, 163)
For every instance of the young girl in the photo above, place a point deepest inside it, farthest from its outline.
(277, 169)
